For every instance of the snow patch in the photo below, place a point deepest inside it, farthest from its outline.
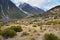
(24, 11)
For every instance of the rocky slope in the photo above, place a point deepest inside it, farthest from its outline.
(30, 9)
(9, 10)
(53, 12)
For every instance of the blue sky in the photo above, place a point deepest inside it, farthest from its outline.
(43, 4)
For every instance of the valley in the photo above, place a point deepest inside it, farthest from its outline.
(27, 22)
(34, 28)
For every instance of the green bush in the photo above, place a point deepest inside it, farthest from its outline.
(32, 38)
(50, 37)
(34, 25)
(53, 22)
(8, 33)
(48, 23)
(1, 24)
(16, 28)
(39, 24)
(35, 21)
(25, 34)
(0, 32)
(58, 22)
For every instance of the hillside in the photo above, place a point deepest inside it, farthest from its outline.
(53, 12)
(30, 10)
(8, 10)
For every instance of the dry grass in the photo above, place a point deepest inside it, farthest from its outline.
(34, 28)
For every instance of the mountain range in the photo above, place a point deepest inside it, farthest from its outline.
(53, 12)
(30, 9)
(8, 11)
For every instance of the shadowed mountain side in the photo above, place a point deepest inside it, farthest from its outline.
(30, 9)
(8, 10)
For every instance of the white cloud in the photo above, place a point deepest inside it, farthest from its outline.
(49, 0)
(36, 2)
(32, 2)
(17, 2)
(43, 4)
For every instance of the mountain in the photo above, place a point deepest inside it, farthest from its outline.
(9, 10)
(30, 9)
(53, 12)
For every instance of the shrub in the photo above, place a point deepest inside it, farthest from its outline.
(1, 24)
(8, 33)
(58, 22)
(16, 28)
(35, 31)
(53, 22)
(55, 17)
(32, 38)
(34, 25)
(26, 24)
(50, 37)
(0, 32)
(41, 28)
(48, 23)
(35, 21)
(25, 34)
(39, 24)
(31, 22)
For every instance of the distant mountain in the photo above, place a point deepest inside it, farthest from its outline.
(30, 9)
(9, 10)
(53, 12)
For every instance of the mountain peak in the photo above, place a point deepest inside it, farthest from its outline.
(30, 9)
(24, 4)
